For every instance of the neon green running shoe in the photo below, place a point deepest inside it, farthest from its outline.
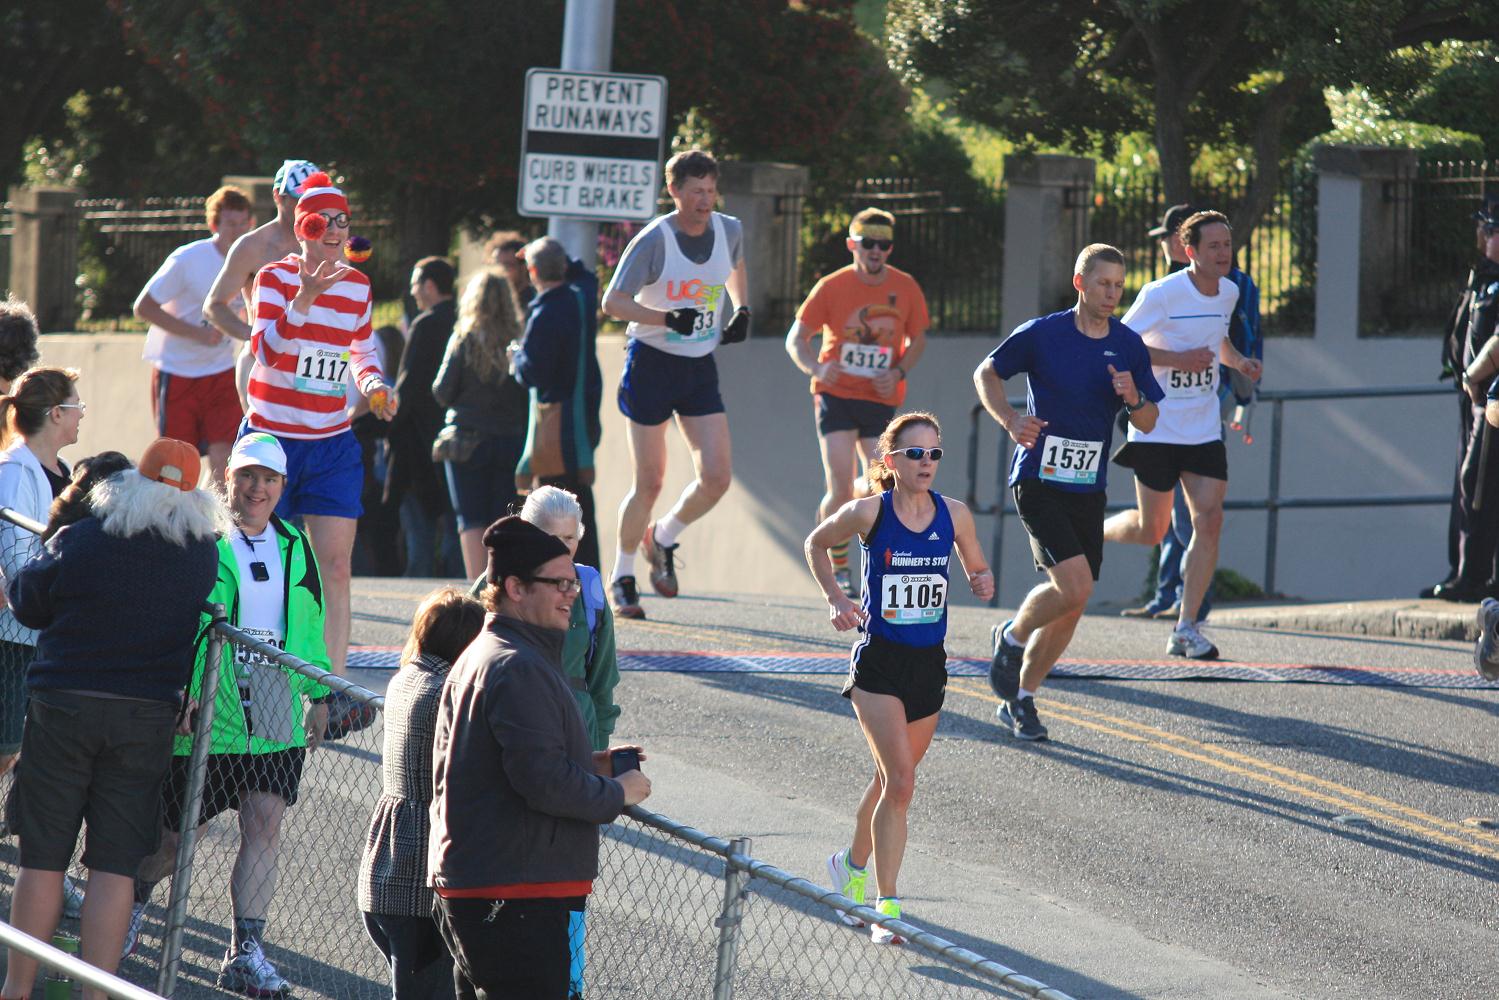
(888, 906)
(849, 881)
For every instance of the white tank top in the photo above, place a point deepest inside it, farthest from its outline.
(685, 284)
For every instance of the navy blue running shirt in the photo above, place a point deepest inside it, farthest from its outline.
(905, 576)
(1069, 386)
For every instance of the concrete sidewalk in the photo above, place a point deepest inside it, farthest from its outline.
(1402, 619)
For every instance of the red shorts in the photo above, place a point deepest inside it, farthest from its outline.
(200, 411)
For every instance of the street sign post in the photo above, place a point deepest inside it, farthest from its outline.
(592, 145)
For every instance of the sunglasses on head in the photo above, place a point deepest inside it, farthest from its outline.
(869, 244)
(917, 454)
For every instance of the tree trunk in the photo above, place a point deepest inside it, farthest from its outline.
(1269, 129)
(424, 223)
(1171, 144)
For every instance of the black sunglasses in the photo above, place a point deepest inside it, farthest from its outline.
(869, 244)
(917, 454)
(564, 584)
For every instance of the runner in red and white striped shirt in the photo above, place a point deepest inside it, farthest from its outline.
(311, 326)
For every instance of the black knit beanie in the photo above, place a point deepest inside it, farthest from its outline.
(518, 548)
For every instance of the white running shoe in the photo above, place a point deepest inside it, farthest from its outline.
(252, 974)
(133, 932)
(888, 906)
(72, 898)
(1187, 641)
(849, 882)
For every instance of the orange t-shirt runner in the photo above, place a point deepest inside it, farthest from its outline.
(864, 327)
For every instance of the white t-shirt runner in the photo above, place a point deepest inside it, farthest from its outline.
(180, 286)
(264, 689)
(1171, 314)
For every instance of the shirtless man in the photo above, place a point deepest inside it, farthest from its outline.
(252, 251)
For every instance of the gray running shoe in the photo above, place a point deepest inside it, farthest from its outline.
(252, 974)
(625, 598)
(663, 563)
(1004, 669)
(1190, 643)
(1486, 651)
(133, 932)
(1021, 719)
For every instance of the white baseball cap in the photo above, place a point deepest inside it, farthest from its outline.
(258, 448)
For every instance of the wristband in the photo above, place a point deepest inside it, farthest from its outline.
(901, 370)
(1137, 407)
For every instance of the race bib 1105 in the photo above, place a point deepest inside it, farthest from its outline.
(912, 598)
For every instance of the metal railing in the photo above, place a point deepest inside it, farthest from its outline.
(75, 968)
(719, 924)
(1272, 503)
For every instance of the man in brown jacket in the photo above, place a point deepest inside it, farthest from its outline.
(518, 793)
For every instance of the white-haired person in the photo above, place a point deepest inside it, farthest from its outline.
(588, 655)
(102, 714)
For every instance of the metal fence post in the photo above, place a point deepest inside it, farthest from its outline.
(182, 875)
(1272, 499)
(734, 882)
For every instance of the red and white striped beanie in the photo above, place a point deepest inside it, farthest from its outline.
(319, 195)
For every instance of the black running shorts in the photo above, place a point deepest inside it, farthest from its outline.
(1159, 466)
(865, 417)
(917, 675)
(1062, 523)
(229, 777)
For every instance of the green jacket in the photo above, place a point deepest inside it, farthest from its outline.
(592, 678)
(275, 690)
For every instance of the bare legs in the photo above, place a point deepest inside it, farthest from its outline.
(897, 746)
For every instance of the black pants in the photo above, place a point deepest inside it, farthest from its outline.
(420, 966)
(514, 949)
(1478, 511)
(588, 547)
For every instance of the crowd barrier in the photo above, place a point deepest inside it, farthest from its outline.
(675, 912)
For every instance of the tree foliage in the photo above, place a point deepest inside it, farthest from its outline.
(1079, 73)
(417, 104)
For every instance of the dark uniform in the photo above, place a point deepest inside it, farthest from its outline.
(1473, 527)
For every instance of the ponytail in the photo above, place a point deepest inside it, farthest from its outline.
(7, 419)
(879, 475)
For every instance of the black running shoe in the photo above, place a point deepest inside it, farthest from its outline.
(1004, 670)
(625, 598)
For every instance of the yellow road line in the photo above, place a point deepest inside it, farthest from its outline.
(1349, 800)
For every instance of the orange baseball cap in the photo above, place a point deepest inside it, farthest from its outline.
(173, 462)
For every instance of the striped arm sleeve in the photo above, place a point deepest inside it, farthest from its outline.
(363, 352)
(276, 322)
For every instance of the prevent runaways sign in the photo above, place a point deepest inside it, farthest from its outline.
(592, 144)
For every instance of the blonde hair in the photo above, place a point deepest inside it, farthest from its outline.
(488, 320)
(881, 477)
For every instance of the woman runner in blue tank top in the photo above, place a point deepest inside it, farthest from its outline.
(898, 670)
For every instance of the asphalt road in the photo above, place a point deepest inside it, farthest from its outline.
(1172, 840)
(1182, 839)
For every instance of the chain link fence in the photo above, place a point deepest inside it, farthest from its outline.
(675, 912)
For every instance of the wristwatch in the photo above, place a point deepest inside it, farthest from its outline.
(1137, 407)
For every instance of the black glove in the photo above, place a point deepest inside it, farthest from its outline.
(682, 320)
(737, 328)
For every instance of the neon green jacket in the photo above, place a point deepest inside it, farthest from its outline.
(277, 691)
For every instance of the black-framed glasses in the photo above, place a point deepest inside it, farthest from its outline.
(917, 454)
(564, 584)
(339, 221)
(869, 244)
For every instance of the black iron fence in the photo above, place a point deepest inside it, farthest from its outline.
(1436, 241)
(1281, 255)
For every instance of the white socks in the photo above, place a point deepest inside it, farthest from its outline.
(624, 563)
(667, 529)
